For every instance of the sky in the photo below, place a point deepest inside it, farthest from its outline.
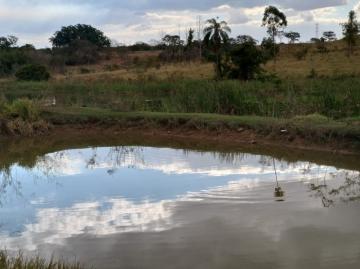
(130, 21)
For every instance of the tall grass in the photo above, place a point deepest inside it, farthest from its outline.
(20, 262)
(335, 98)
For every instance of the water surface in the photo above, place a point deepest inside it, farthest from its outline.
(159, 207)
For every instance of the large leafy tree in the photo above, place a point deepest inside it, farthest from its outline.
(216, 35)
(70, 34)
(351, 31)
(275, 21)
(246, 58)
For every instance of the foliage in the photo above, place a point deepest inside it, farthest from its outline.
(69, 34)
(241, 39)
(274, 19)
(32, 72)
(351, 31)
(80, 52)
(10, 59)
(246, 58)
(173, 48)
(8, 42)
(23, 108)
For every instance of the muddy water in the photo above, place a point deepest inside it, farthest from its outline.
(131, 206)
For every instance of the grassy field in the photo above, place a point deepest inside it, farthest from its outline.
(334, 63)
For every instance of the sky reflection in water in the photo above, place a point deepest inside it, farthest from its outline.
(100, 192)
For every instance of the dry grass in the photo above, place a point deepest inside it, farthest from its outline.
(335, 63)
(175, 71)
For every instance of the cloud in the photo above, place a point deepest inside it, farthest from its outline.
(130, 21)
(194, 5)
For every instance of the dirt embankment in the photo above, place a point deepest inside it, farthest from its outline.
(225, 137)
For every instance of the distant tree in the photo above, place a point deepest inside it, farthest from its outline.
(241, 39)
(69, 34)
(293, 37)
(215, 37)
(172, 40)
(275, 21)
(140, 46)
(8, 42)
(314, 40)
(173, 47)
(329, 36)
(28, 47)
(190, 38)
(321, 46)
(351, 31)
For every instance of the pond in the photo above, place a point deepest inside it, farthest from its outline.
(143, 206)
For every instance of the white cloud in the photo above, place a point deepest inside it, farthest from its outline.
(129, 21)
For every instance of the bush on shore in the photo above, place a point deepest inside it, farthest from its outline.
(22, 118)
(32, 72)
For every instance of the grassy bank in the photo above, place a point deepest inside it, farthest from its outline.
(314, 128)
(316, 110)
(20, 262)
(336, 98)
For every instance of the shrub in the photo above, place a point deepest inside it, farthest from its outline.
(24, 109)
(10, 59)
(246, 59)
(33, 72)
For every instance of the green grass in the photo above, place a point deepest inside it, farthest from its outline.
(20, 262)
(312, 127)
(333, 98)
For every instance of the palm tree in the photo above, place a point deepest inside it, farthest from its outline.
(216, 35)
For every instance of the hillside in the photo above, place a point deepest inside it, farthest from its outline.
(294, 61)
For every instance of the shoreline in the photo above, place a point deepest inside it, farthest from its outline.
(227, 138)
(314, 132)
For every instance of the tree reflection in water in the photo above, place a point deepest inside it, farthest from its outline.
(50, 166)
(347, 191)
(7, 182)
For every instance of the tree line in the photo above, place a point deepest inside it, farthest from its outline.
(236, 58)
